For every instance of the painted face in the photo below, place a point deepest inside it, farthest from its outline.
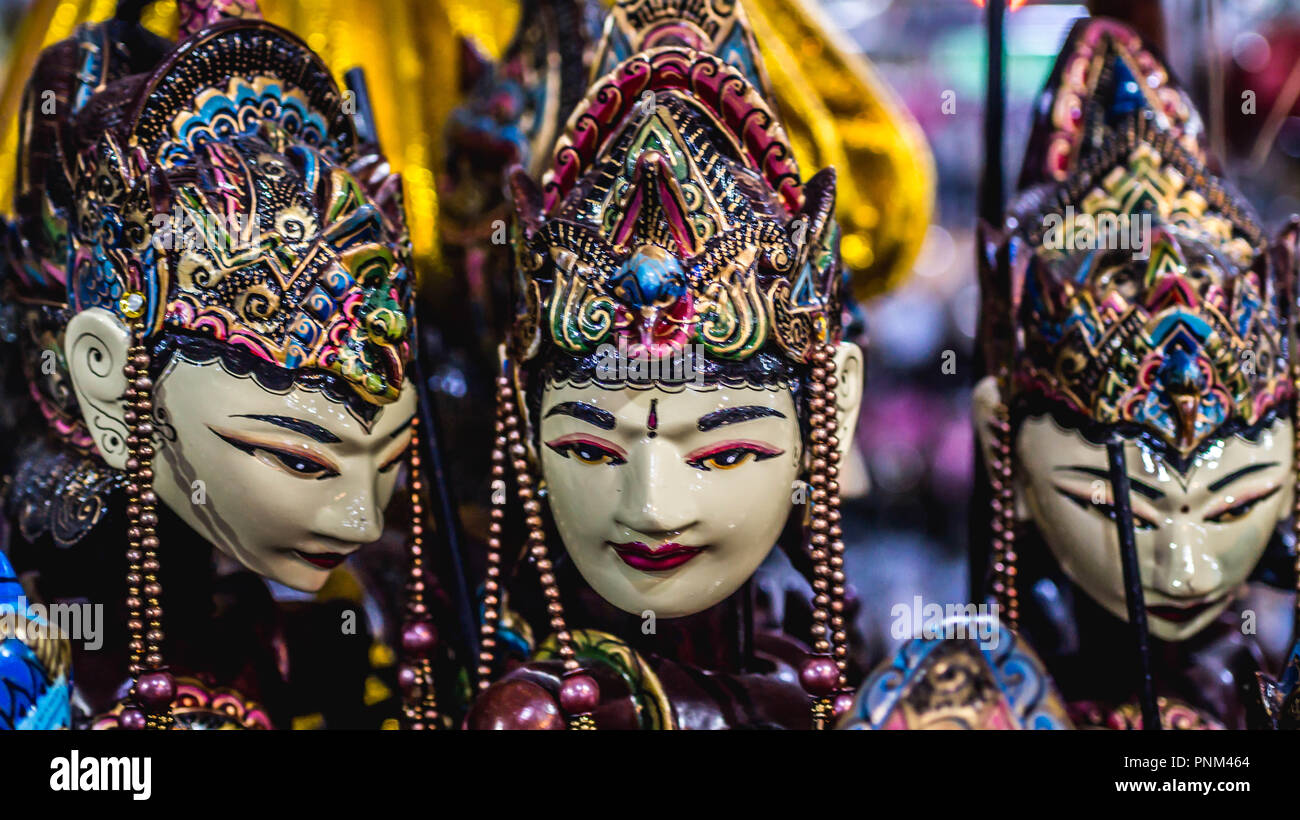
(669, 501)
(292, 483)
(1199, 533)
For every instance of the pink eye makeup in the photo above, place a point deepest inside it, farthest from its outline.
(728, 455)
(588, 449)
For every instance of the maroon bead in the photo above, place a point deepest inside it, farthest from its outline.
(131, 718)
(156, 689)
(819, 676)
(579, 694)
(514, 704)
(418, 637)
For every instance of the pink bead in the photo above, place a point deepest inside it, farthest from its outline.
(819, 676)
(579, 694)
(843, 702)
(406, 677)
(418, 637)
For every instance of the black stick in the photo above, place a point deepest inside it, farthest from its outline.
(991, 185)
(446, 519)
(1137, 610)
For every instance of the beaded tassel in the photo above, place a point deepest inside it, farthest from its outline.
(1002, 481)
(419, 701)
(579, 693)
(824, 674)
(492, 584)
(149, 704)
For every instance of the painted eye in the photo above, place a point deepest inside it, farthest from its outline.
(726, 460)
(392, 462)
(295, 464)
(1139, 522)
(588, 452)
(1239, 511)
(299, 464)
(730, 457)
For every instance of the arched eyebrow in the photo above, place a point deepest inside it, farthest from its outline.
(306, 428)
(1137, 486)
(1244, 471)
(582, 411)
(735, 415)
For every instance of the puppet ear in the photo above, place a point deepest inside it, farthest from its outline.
(527, 197)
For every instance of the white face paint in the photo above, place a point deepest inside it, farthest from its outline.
(1199, 535)
(291, 483)
(669, 501)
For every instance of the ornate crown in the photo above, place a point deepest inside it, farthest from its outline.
(216, 189)
(1130, 285)
(673, 212)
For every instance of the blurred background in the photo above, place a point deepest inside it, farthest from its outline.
(914, 432)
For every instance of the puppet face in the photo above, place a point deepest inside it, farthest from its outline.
(669, 499)
(1200, 533)
(288, 484)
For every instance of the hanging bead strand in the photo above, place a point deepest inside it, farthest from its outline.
(153, 688)
(492, 598)
(419, 700)
(1002, 483)
(823, 673)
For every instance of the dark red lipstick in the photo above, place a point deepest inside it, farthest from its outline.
(324, 560)
(667, 556)
(1180, 614)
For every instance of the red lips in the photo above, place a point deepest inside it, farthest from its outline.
(1179, 614)
(667, 556)
(324, 560)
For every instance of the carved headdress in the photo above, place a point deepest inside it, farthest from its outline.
(1132, 286)
(673, 212)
